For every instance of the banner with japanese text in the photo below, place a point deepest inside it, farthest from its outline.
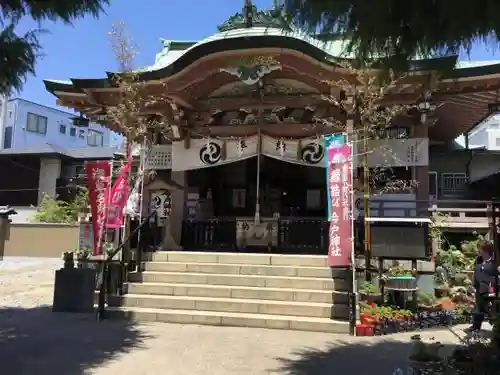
(118, 199)
(331, 141)
(98, 179)
(119, 196)
(339, 189)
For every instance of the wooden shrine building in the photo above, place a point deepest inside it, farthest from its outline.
(247, 111)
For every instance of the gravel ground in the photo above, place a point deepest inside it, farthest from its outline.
(35, 341)
(27, 282)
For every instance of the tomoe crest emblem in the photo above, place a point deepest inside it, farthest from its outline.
(210, 153)
(312, 153)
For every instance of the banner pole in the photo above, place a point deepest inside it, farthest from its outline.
(108, 205)
(140, 174)
(353, 300)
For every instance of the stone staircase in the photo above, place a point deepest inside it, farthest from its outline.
(230, 289)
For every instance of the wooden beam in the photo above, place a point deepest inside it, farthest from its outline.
(235, 103)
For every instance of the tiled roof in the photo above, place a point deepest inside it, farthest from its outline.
(74, 153)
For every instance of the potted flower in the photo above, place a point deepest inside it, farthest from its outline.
(476, 355)
(368, 292)
(83, 255)
(427, 302)
(425, 356)
(367, 312)
(400, 278)
(69, 260)
(441, 287)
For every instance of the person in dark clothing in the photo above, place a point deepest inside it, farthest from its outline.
(484, 277)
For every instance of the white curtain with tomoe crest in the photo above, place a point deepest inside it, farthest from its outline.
(203, 153)
(305, 151)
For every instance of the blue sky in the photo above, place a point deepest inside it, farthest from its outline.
(83, 50)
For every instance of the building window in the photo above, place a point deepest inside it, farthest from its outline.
(497, 142)
(394, 132)
(453, 183)
(36, 123)
(62, 128)
(94, 138)
(7, 141)
(81, 134)
(72, 132)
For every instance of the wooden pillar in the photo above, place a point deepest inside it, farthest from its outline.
(421, 173)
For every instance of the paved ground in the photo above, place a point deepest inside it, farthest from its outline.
(33, 340)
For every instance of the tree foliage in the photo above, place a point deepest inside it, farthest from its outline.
(401, 29)
(52, 210)
(363, 98)
(18, 53)
(128, 112)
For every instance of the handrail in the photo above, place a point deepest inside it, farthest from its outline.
(103, 269)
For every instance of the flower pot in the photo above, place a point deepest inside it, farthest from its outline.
(401, 283)
(441, 291)
(370, 330)
(365, 316)
(371, 298)
(430, 308)
(360, 329)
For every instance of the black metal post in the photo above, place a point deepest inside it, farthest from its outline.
(101, 301)
(494, 232)
(352, 302)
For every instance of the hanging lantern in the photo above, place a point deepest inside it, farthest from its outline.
(281, 147)
(241, 145)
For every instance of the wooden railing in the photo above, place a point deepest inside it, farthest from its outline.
(451, 213)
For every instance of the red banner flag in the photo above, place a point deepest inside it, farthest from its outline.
(339, 186)
(98, 177)
(118, 199)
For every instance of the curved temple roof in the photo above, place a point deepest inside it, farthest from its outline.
(266, 29)
(254, 29)
(262, 29)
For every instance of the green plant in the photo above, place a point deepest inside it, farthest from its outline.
(425, 351)
(83, 253)
(495, 334)
(469, 249)
(108, 248)
(52, 210)
(426, 299)
(368, 289)
(78, 203)
(398, 270)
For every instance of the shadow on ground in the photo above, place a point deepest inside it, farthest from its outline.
(374, 356)
(38, 341)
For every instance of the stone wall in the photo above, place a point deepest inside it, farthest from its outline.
(41, 240)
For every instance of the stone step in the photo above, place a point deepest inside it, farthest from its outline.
(238, 258)
(249, 306)
(230, 319)
(203, 290)
(238, 280)
(239, 269)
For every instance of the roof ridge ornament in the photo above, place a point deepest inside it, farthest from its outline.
(251, 70)
(166, 45)
(251, 17)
